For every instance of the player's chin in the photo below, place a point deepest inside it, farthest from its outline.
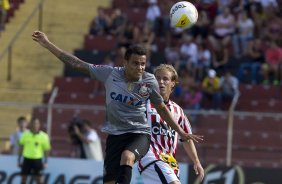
(162, 91)
(138, 75)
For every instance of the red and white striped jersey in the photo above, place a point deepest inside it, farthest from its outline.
(164, 139)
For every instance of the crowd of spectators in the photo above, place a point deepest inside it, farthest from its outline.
(233, 41)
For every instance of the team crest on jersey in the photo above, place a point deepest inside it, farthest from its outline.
(144, 90)
(130, 86)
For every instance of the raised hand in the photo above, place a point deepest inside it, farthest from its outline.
(40, 37)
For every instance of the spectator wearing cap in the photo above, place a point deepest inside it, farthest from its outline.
(211, 89)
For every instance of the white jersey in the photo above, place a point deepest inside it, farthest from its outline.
(164, 139)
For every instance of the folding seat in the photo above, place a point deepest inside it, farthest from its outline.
(99, 43)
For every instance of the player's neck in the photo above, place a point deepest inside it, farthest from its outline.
(129, 78)
(166, 98)
(35, 131)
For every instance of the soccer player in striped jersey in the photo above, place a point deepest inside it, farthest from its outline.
(159, 164)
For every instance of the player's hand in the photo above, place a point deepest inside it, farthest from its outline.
(196, 138)
(40, 37)
(199, 171)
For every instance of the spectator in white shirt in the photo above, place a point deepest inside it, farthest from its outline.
(204, 60)
(189, 53)
(91, 141)
(15, 137)
(245, 27)
(153, 13)
(224, 28)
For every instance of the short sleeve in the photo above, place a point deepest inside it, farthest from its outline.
(46, 143)
(100, 72)
(22, 139)
(155, 96)
(184, 123)
(92, 136)
(12, 139)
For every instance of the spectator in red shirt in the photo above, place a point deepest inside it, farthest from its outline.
(273, 57)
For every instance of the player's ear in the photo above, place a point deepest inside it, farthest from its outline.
(173, 84)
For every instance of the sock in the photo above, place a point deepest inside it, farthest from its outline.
(124, 174)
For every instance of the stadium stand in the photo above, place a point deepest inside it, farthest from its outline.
(100, 43)
(257, 139)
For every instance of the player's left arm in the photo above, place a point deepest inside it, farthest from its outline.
(191, 151)
(190, 148)
(46, 156)
(46, 148)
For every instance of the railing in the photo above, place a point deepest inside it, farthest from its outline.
(230, 128)
(9, 47)
(49, 115)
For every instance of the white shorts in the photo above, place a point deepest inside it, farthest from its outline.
(158, 173)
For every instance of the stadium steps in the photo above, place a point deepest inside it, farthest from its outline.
(253, 135)
(66, 22)
(256, 136)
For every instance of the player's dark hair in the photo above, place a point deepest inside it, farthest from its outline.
(134, 49)
(21, 118)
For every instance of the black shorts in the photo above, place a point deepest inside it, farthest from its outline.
(116, 144)
(32, 166)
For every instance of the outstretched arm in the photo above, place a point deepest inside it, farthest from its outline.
(65, 57)
(191, 151)
(167, 117)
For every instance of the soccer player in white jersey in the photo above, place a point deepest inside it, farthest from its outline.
(127, 90)
(159, 165)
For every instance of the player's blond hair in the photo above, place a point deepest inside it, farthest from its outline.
(170, 68)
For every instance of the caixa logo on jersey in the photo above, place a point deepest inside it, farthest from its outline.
(157, 129)
(125, 99)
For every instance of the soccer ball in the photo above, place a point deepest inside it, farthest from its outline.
(183, 15)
